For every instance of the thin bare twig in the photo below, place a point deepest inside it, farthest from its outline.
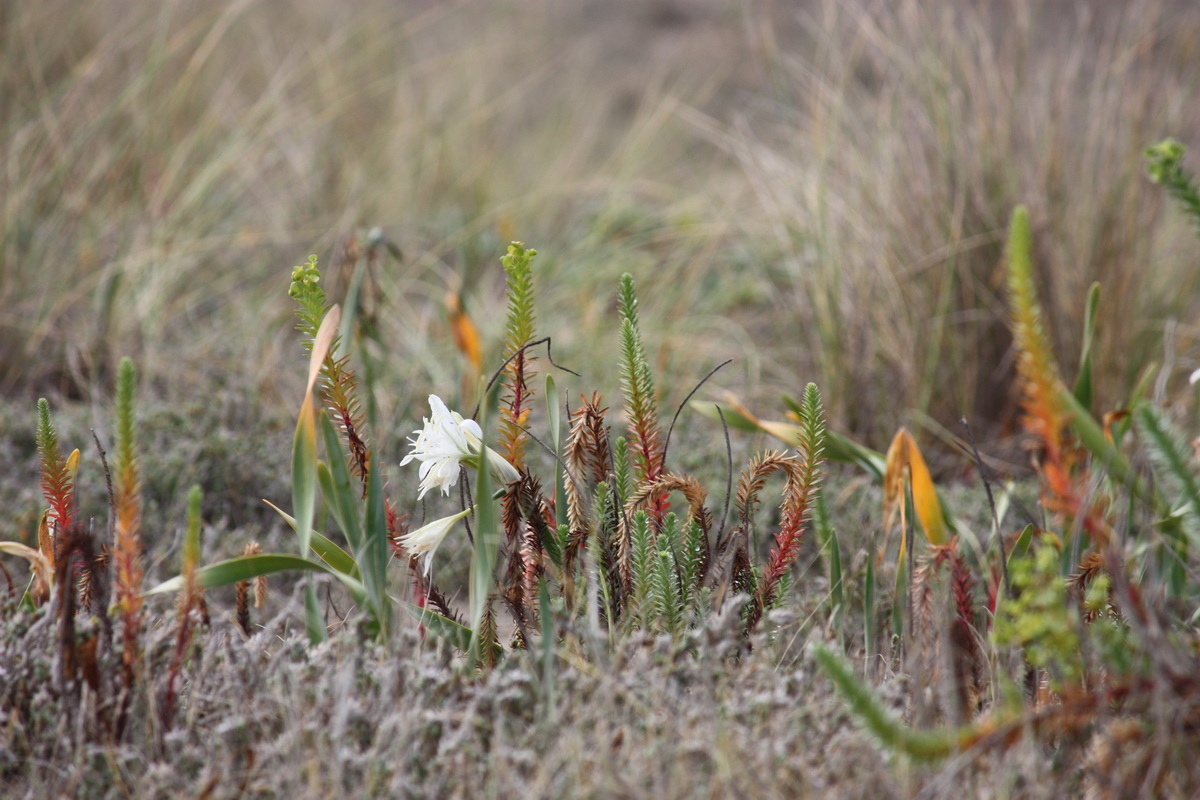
(678, 411)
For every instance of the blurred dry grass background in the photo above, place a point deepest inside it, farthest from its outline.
(817, 189)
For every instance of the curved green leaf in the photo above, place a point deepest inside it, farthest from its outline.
(341, 499)
(244, 568)
(374, 555)
(328, 550)
(1083, 381)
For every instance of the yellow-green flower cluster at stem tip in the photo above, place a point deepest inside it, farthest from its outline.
(517, 252)
(1163, 159)
(303, 276)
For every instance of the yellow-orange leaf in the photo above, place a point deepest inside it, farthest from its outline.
(783, 431)
(466, 335)
(321, 344)
(904, 461)
(46, 538)
(1112, 418)
(39, 565)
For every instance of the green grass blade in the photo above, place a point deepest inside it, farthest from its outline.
(1083, 381)
(304, 473)
(847, 451)
(374, 557)
(244, 568)
(869, 633)
(900, 593)
(554, 415)
(487, 538)
(837, 447)
(350, 306)
(328, 550)
(1104, 453)
(337, 558)
(1020, 548)
(191, 536)
(837, 590)
(313, 622)
(304, 443)
(919, 744)
(340, 497)
(733, 418)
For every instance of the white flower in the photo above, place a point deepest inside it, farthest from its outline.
(448, 441)
(424, 541)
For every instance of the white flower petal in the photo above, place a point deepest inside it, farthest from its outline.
(425, 541)
(445, 443)
(502, 470)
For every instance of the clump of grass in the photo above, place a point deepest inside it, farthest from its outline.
(883, 177)
(1087, 644)
(150, 146)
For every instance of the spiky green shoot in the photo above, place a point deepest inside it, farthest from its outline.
(918, 744)
(640, 400)
(1164, 166)
(1046, 415)
(519, 331)
(1172, 461)
(338, 382)
(190, 600)
(800, 496)
(127, 550)
(641, 561)
(58, 483)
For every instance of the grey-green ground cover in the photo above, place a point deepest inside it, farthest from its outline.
(710, 715)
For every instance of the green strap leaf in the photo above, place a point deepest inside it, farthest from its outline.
(244, 568)
(304, 472)
(340, 496)
(837, 447)
(325, 548)
(1083, 382)
(374, 555)
(554, 415)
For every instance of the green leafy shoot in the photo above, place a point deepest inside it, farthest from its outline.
(127, 485)
(58, 485)
(1171, 459)
(1164, 166)
(520, 329)
(638, 385)
(918, 744)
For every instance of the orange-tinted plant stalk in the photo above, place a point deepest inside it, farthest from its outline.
(127, 550)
